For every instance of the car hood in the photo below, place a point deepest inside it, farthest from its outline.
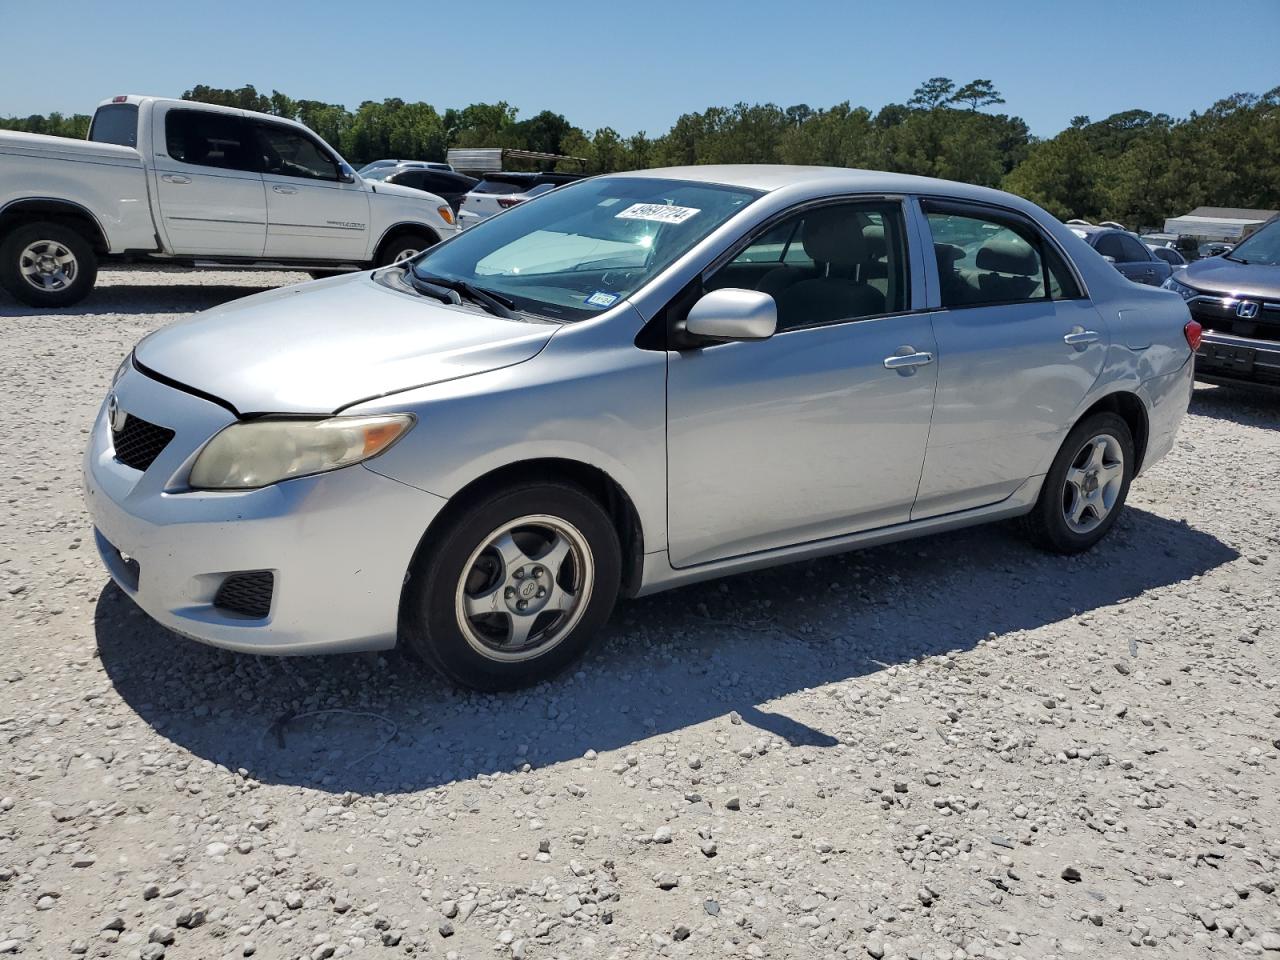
(318, 347)
(1216, 275)
(382, 188)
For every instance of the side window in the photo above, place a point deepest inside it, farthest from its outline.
(1134, 251)
(1109, 246)
(288, 153)
(989, 258)
(833, 264)
(208, 140)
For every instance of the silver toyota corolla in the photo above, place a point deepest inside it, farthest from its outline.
(631, 383)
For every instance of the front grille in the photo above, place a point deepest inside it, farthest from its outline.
(1220, 314)
(138, 443)
(248, 594)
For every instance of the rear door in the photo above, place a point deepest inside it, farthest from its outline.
(1019, 345)
(311, 213)
(206, 182)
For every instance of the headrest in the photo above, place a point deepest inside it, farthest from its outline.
(948, 255)
(833, 236)
(877, 246)
(1008, 256)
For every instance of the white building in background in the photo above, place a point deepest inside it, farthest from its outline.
(1227, 224)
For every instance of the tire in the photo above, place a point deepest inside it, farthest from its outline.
(1086, 487)
(401, 246)
(47, 264)
(461, 611)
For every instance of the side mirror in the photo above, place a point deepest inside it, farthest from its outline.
(732, 314)
(346, 176)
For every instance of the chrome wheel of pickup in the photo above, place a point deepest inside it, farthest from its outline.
(524, 588)
(48, 265)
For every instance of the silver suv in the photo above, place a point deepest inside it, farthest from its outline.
(628, 384)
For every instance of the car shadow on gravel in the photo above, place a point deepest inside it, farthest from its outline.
(381, 723)
(1242, 405)
(145, 297)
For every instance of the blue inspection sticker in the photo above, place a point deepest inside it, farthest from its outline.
(602, 299)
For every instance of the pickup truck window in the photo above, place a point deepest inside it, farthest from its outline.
(115, 123)
(208, 140)
(288, 153)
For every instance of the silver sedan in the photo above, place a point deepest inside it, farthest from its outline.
(628, 384)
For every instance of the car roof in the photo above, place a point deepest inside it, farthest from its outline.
(768, 177)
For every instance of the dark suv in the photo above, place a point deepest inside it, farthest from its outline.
(1236, 299)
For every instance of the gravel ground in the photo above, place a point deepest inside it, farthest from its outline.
(954, 747)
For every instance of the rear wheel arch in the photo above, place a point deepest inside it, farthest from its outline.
(1133, 411)
(606, 491)
(20, 213)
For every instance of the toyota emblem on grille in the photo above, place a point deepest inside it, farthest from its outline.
(115, 416)
(1246, 309)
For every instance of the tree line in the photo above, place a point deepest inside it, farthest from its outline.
(1135, 167)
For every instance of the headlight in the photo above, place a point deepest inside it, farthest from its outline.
(1181, 289)
(244, 456)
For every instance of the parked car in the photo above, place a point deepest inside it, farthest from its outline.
(502, 191)
(638, 381)
(369, 168)
(446, 184)
(1166, 251)
(172, 181)
(1127, 252)
(1215, 248)
(1236, 299)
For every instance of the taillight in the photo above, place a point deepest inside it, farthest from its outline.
(119, 99)
(1192, 332)
(506, 202)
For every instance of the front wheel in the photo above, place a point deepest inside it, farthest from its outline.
(403, 246)
(512, 589)
(47, 265)
(1085, 488)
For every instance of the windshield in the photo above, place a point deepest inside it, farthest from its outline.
(581, 248)
(1261, 247)
(377, 173)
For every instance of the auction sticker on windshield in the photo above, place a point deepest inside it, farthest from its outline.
(657, 212)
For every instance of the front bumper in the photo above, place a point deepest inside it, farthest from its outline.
(1229, 359)
(338, 544)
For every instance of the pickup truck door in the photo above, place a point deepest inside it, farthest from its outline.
(208, 192)
(311, 213)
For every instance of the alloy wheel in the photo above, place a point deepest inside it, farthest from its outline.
(1093, 483)
(525, 588)
(48, 265)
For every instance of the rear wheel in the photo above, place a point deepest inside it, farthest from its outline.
(47, 265)
(1085, 488)
(402, 246)
(513, 589)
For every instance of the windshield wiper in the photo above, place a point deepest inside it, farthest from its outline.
(495, 303)
(443, 294)
(1227, 256)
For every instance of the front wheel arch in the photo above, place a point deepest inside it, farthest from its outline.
(392, 234)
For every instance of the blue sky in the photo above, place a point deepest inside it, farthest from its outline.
(640, 65)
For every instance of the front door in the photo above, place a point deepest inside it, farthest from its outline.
(311, 213)
(821, 430)
(206, 181)
(1020, 348)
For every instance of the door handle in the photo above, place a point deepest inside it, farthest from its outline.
(1081, 338)
(905, 361)
(278, 188)
(174, 178)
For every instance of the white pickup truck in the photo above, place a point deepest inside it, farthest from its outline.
(180, 182)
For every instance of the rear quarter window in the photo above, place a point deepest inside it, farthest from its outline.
(115, 123)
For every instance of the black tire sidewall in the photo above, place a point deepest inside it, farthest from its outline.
(406, 238)
(11, 275)
(1050, 520)
(428, 621)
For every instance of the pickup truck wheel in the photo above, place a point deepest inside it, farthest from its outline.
(47, 265)
(402, 246)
